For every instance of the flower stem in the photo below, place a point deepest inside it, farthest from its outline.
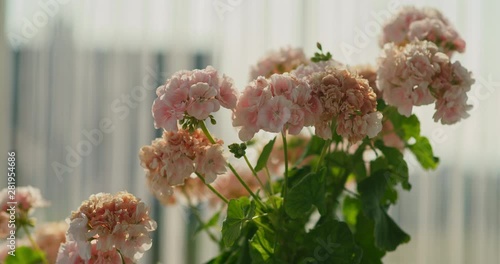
(255, 174)
(211, 139)
(269, 180)
(198, 217)
(212, 188)
(322, 155)
(207, 133)
(285, 150)
(263, 226)
(121, 256)
(255, 197)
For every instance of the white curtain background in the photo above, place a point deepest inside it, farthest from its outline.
(73, 68)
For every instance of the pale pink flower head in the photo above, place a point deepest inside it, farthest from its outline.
(112, 223)
(27, 198)
(348, 102)
(405, 73)
(450, 88)
(429, 24)
(282, 103)
(277, 62)
(418, 74)
(172, 159)
(196, 93)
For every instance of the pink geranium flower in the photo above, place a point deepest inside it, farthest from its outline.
(173, 158)
(104, 225)
(196, 93)
(418, 74)
(429, 24)
(277, 62)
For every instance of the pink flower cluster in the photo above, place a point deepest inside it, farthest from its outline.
(412, 24)
(348, 100)
(171, 159)
(284, 60)
(313, 95)
(418, 74)
(106, 226)
(27, 198)
(282, 102)
(196, 93)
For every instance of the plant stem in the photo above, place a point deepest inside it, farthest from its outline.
(211, 139)
(255, 197)
(269, 180)
(285, 152)
(121, 256)
(351, 192)
(255, 174)
(198, 217)
(263, 226)
(322, 155)
(32, 241)
(212, 188)
(206, 132)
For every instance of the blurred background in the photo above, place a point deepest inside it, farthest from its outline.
(79, 76)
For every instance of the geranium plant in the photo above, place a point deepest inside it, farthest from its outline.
(319, 191)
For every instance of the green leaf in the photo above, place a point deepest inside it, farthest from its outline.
(397, 166)
(331, 242)
(25, 255)
(388, 235)
(410, 127)
(264, 156)
(422, 150)
(306, 192)
(261, 247)
(350, 210)
(238, 212)
(364, 237)
(314, 147)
